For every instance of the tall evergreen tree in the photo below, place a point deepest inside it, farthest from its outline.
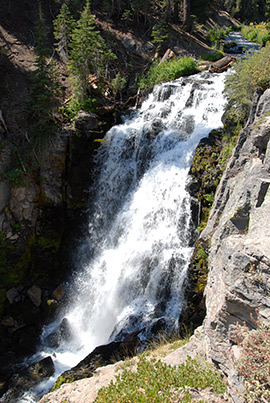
(88, 56)
(43, 94)
(63, 27)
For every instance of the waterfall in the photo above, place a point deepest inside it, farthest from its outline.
(139, 227)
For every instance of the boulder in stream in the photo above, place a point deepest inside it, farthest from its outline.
(27, 378)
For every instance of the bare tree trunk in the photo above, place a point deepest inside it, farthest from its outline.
(186, 16)
(168, 9)
(176, 11)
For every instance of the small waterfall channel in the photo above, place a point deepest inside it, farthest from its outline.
(140, 223)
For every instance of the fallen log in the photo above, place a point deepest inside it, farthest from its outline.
(222, 64)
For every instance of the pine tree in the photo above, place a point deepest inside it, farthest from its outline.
(63, 27)
(88, 56)
(43, 95)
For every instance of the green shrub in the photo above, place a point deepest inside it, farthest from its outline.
(155, 381)
(254, 363)
(259, 33)
(168, 71)
(248, 74)
(160, 33)
(217, 33)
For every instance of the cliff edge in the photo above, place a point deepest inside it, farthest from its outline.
(237, 237)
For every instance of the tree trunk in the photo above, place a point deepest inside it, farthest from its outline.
(186, 16)
(168, 9)
(176, 11)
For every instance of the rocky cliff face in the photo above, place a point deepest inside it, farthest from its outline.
(237, 237)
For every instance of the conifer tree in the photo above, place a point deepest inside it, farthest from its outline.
(63, 27)
(43, 94)
(88, 56)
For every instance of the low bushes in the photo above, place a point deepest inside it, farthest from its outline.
(168, 71)
(155, 381)
(249, 74)
(254, 363)
(259, 33)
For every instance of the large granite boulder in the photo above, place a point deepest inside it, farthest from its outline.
(238, 239)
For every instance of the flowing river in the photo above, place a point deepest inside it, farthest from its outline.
(139, 243)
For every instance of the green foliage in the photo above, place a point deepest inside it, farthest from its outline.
(200, 267)
(209, 197)
(118, 84)
(160, 33)
(259, 33)
(215, 34)
(167, 71)
(254, 363)
(247, 10)
(158, 382)
(48, 243)
(15, 177)
(63, 27)
(60, 380)
(89, 55)
(43, 97)
(248, 74)
(229, 143)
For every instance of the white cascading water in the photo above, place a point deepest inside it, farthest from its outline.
(139, 231)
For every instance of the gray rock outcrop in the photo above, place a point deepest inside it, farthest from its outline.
(238, 238)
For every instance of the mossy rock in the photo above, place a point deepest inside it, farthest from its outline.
(194, 313)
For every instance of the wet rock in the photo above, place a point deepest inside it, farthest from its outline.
(154, 128)
(189, 124)
(158, 327)
(100, 356)
(62, 334)
(42, 369)
(34, 293)
(27, 378)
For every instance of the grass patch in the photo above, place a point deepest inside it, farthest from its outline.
(168, 71)
(164, 344)
(157, 382)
